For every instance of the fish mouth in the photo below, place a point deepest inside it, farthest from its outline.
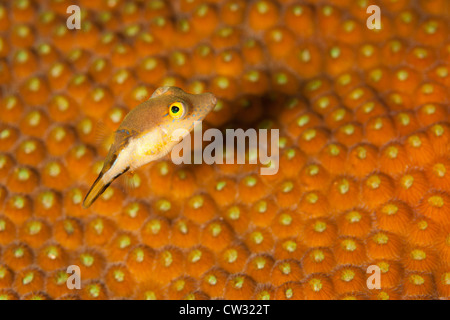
(97, 188)
(213, 99)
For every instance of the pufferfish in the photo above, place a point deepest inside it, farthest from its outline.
(145, 133)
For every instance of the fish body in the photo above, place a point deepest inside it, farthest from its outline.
(145, 134)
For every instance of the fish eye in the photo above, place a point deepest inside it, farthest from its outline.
(177, 110)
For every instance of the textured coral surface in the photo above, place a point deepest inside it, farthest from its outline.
(364, 173)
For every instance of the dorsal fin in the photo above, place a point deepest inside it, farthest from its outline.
(159, 91)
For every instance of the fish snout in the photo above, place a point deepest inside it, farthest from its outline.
(209, 99)
(213, 99)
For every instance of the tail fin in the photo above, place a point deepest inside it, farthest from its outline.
(98, 187)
